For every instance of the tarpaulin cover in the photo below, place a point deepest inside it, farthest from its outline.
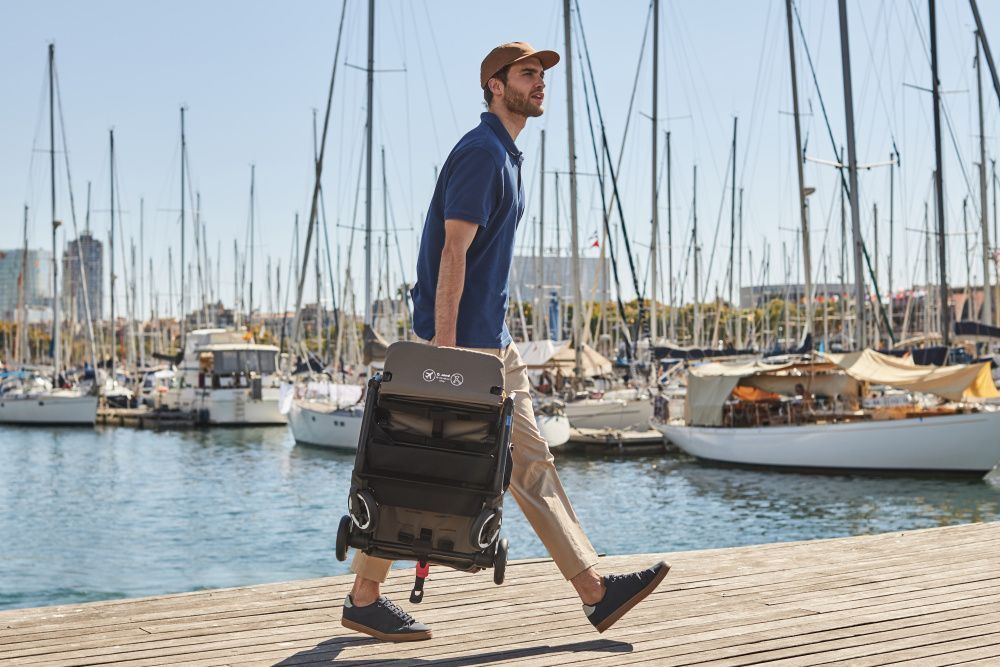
(709, 385)
(955, 383)
(560, 355)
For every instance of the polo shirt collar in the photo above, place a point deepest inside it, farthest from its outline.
(494, 124)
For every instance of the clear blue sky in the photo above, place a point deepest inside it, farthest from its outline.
(250, 74)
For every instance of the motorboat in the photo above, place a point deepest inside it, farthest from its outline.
(227, 379)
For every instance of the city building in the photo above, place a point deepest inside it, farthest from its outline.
(92, 252)
(596, 281)
(37, 266)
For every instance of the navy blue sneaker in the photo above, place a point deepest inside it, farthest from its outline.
(622, 592)
(383, 620)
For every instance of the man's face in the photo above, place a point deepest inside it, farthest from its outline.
(525, 89)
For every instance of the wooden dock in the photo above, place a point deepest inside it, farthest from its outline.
(613, 442)
(927, 597)
(145, 418)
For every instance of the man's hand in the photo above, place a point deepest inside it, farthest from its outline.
(458, 236)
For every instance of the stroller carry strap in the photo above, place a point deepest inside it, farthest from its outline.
(417, 594)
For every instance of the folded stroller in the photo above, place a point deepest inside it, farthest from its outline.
(433, 462)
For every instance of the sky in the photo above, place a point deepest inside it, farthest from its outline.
(251, 74)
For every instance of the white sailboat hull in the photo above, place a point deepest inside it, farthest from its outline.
(319, 424)
(614, 413)
(955, 443)
(55, 409)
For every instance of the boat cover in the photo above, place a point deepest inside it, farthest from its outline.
(962, 382)
(710, 384)
(560, 355)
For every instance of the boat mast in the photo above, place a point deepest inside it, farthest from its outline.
(732, 228)
(806, 252)
(253, 176)
(111, 250)
(21, 346)
(892, 187)
(578, 319)
(56, 351)
(654, 273)
(368, 164)
(182, 295)
(860, 327)
(539, 319)
(983, 202)
(696, 331)
(938, 179)
(670, 246)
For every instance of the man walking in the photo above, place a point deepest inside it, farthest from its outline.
(460, 300)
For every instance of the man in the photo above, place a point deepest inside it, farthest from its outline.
(460, 299)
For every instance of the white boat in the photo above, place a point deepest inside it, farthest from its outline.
(324, 414)
(323, 424)
(62, 407)
(231, 381)
(610, 413)
(550, 363)
(956, 442)
(816, 415)
(32, 400)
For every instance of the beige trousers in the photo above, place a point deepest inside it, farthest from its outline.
(534, 483)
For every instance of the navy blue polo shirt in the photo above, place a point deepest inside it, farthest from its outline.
(480, 182)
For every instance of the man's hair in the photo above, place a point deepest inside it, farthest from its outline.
(502, 75)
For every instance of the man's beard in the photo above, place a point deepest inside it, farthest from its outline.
(521, 104)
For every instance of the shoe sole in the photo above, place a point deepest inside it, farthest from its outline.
(634, 600)
(399, 637)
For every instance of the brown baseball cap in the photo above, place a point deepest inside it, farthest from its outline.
(508, 54)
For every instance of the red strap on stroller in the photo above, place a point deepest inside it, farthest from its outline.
(417, 594)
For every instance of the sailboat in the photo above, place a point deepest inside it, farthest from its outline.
(325, 414)
(820, 415)
(624, 408)
(30, 398)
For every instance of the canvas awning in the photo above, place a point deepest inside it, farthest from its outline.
(560, 355)
(955, 383)
(709, 385)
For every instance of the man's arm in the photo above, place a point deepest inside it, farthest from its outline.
(458, 236)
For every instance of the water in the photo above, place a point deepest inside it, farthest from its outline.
(109, 513)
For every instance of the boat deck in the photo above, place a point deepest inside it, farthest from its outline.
(927, 597)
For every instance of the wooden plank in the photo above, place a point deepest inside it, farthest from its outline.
(917, 595)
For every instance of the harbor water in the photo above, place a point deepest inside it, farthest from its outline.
(110, 513)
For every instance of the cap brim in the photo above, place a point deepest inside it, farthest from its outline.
(547, 58)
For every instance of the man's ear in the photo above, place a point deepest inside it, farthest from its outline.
(496, 86)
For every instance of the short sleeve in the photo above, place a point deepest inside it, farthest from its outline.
(474, 185)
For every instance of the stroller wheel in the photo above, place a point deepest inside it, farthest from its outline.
(363, 509)
(486, 528)
(343, 537)
(500, 564)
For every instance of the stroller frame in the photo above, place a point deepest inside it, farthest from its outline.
(432, 497)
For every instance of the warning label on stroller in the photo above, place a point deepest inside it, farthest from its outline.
(455, 379)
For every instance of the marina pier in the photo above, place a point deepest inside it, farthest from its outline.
(923, 597)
